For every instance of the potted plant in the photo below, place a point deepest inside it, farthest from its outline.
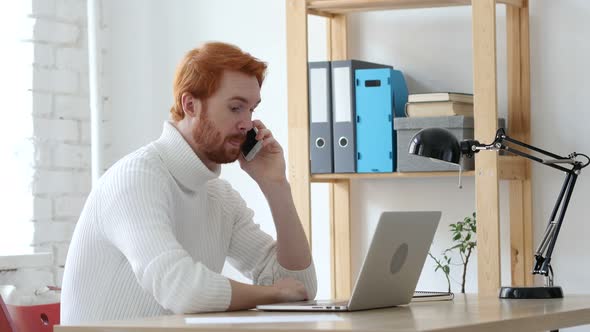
(463, 233)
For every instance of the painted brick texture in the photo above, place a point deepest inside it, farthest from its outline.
(61, 116)
(61, 132)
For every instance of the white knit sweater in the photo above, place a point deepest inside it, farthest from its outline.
(154, 235)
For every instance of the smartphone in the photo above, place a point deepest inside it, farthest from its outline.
(251, 146)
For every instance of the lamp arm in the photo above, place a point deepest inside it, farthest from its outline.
(545, 249)
(470, 147)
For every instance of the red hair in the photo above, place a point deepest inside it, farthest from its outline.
(199, 72)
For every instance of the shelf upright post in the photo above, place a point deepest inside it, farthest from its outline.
(337, 36)
(519, 118)
(485, 86)
(298, 115)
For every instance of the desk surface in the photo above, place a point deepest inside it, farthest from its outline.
(464, 313)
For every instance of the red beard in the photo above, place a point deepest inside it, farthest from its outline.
(209, 139)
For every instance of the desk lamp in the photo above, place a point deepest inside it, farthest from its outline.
(441, 144)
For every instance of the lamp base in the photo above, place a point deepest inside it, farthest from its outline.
(553, 292)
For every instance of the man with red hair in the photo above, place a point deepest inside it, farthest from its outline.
(156, 230)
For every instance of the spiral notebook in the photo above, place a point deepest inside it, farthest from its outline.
(424, 296)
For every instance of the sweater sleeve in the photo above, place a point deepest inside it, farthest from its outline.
(254, 252)
(136, 219)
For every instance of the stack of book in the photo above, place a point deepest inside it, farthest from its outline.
(439, 104)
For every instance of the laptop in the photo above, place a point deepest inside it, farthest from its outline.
(391, 268)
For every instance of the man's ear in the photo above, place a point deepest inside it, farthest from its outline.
(191, 106)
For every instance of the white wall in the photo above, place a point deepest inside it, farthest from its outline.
(61, 135)
(146, 43)
(432, 47)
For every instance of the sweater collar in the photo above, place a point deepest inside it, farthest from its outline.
(180, 159)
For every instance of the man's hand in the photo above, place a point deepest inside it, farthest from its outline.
(244, 296)
(268, 166)
(290, 290)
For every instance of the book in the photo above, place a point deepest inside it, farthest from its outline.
(424, 296)
(344, 117)
(440, 96)
(438, 108)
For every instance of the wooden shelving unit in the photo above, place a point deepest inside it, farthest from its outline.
(489, 167)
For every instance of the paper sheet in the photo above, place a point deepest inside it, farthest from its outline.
(262, 319)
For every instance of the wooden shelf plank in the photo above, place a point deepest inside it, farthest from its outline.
(331, 7)
(511, 168)
(360, 176)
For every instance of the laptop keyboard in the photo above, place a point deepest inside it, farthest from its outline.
(323, 303)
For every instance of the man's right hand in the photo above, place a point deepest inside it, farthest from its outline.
(246, 296)
(290, 290)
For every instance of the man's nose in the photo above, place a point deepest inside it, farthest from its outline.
(245, 125)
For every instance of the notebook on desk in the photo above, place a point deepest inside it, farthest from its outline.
(391, 268)
(426, 296)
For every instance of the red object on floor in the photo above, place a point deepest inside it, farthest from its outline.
(5, 321)
(34, 318)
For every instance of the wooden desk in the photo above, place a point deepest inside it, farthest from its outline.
(465, 313)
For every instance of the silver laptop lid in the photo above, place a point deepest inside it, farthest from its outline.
(394, 261)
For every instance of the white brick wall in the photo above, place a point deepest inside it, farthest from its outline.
(44, 55)
(55, 80)
(42, 104)
(53, 32)
(72, 59)
(44, 8)
(72, 107)
(42, 209)
(73, 10)
(56, 130)
(61, 130)
(61, 182)
(69, 206)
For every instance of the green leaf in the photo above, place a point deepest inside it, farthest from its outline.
(468, 237)
(446, 269)
(456, 237)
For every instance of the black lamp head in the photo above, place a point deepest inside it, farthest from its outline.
(436, 143)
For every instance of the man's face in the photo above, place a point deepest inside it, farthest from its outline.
(226, 116)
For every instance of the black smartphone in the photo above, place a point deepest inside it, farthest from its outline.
(251, 146)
